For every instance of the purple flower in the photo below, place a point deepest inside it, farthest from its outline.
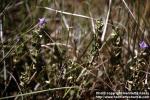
(42, 22)
(143, 45)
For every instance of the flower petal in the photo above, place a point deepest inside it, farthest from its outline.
(42, 22)
(143, 45)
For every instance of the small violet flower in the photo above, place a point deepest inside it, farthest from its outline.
(143, 45)
(42, 22)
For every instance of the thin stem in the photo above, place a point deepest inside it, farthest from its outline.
(3, 51)
(36, 92)
(16, 82)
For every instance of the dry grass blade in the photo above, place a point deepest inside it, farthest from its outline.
(3, 52)
(126, 5)
(68, 13)
(36, 92)
(106, 22)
